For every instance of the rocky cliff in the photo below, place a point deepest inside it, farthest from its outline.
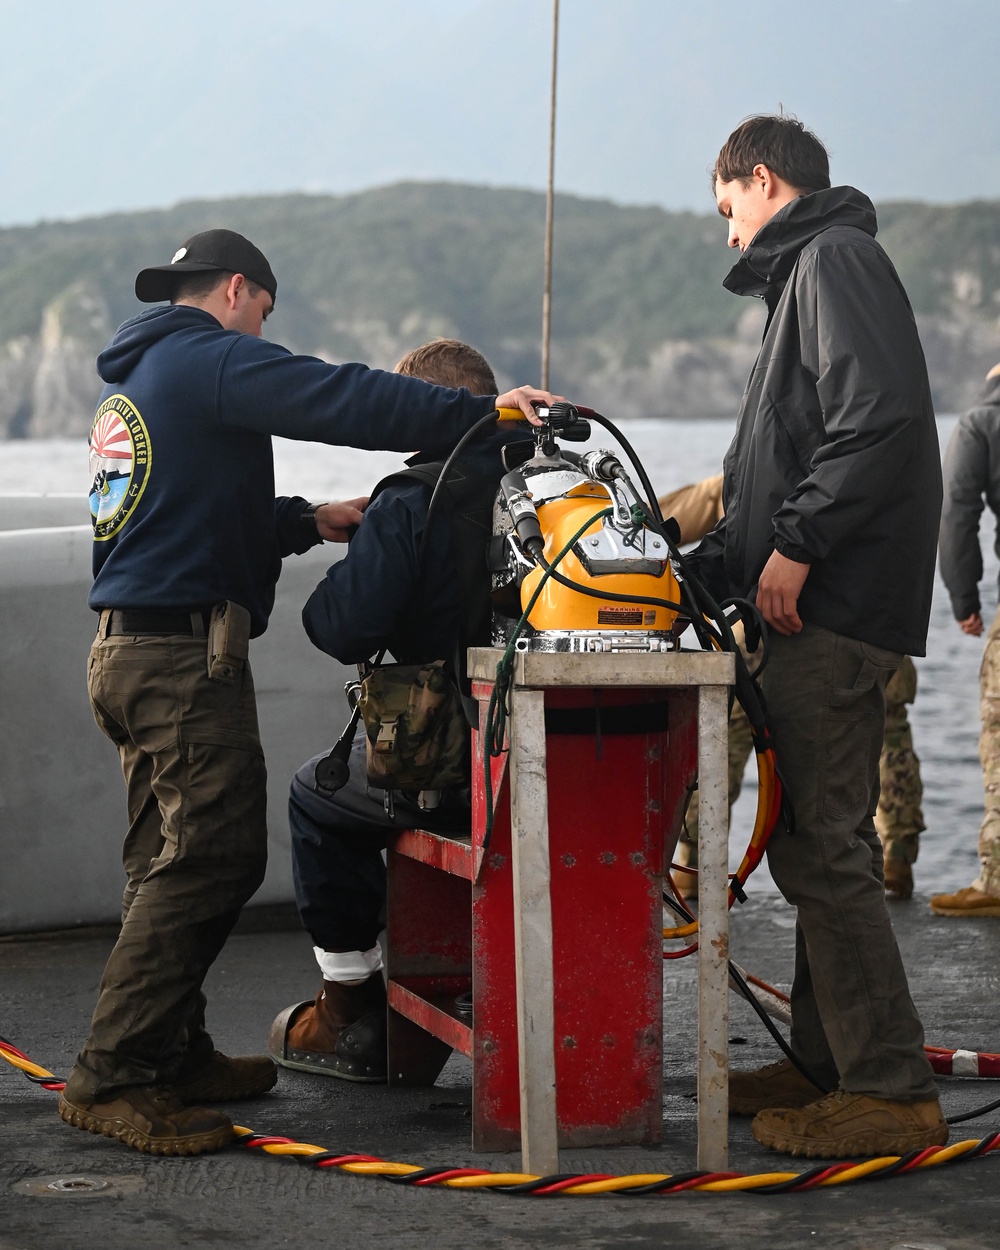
(48, 383)
(641, 326)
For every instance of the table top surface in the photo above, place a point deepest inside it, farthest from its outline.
(560, 668)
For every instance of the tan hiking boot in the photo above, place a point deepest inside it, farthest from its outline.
(342, 1033)
(844, 1125)
(224, 1079)
(898, 878)
(778, 1084)
(152, 1120)
(967, 902)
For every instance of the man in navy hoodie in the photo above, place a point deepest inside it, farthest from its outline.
(188, 542)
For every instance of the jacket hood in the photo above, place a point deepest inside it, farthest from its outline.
(133, 338)
(775, 247)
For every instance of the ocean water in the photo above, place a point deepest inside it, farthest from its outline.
(945, 717)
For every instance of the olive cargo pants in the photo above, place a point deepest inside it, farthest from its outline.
(899, 819)
(853, 1021)
(195, 851)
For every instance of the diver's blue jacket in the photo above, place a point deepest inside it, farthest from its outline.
(379, 595)
(183, 493)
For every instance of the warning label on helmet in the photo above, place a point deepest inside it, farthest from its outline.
(619, 616)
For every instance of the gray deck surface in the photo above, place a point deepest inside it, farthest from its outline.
(245, 1199)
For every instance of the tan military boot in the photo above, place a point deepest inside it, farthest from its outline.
(778, 1084)
(844, 1125)
(152, 1120)
(967, 902)
(223, 1079)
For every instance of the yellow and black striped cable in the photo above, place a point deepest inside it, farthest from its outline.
(581, 1184)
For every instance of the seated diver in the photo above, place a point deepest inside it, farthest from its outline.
(378, 595)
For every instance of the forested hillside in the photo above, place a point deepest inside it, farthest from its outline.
(641, 324)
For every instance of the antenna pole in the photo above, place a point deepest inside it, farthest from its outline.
(550, 206)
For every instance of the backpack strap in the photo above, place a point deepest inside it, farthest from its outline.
(468, 500)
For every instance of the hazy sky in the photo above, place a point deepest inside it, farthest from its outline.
(111, 105)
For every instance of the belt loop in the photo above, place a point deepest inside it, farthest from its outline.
(104, 623)
(198, 625)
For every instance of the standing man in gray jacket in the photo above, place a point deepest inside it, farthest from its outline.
(831, 496)
(972, 475)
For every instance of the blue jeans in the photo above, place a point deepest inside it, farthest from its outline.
(337, 843)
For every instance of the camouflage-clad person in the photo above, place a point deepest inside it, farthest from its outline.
(972, 478)
(988, 881)
(899, 819)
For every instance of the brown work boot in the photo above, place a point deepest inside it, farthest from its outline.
(898, 878)
(151, 1119)
(844, 1125)
(226, 1080)
(778, 1084)
(967, 902)
(342, 1033)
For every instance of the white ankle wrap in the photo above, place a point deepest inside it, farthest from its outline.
(348, 965)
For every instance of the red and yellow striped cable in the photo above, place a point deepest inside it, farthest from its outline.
(583, 1184)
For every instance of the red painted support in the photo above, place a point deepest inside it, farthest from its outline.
(453, 855)
(430, 1002)
(428, 942)
(619, 763)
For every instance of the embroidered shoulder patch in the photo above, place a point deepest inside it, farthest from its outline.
(120, 457)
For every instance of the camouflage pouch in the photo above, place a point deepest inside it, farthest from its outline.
(417, 734)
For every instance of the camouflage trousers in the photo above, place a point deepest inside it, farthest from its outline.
(989, 756)
(899, 819)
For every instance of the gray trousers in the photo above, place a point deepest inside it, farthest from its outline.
(853, 1021)
(195, 852)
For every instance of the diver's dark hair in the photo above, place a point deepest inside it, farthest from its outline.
(781, 143)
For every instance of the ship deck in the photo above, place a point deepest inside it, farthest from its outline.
(243, 1197)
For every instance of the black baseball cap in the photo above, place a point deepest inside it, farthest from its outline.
(212, 249)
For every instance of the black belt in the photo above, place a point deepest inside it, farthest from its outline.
(156, 621)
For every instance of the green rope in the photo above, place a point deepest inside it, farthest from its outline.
(499, 710)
